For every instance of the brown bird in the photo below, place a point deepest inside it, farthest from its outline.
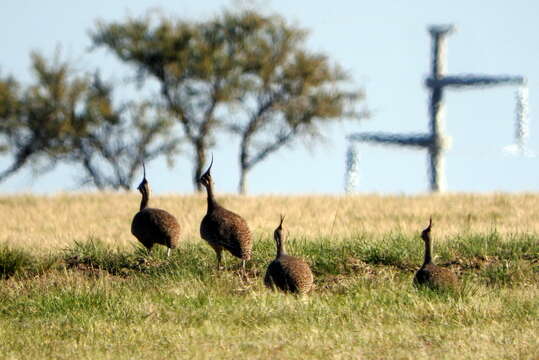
(154, 226)
(288, 273)
(430, 275)
(222, 228)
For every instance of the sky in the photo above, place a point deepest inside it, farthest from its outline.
(385, 47)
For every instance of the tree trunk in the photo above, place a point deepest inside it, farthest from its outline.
(242, 188)
(200, 159)
(20, 160)
(244, 166)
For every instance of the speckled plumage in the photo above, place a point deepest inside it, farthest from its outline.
(227, 230)
(431, 275)
(435, 277)
(287, 273)
(154, 226)
(224, 229)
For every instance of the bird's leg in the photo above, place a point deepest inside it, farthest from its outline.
(168, 252)
(244, 275)
(218, 253)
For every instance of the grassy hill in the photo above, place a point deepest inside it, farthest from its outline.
(75, 283)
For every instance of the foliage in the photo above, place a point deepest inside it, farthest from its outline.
(193, 65)
(67, 117)
(117, 139)
(287, 92)
(244, 61)
(36, 120)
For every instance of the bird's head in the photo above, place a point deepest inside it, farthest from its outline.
(425, 234)
(144, 187)
(279, 232)
(205, 179)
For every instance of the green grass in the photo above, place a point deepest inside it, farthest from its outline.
(13, 261)
(94, 301)
(18, 262)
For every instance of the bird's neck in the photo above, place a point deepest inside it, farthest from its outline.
(211, 198)
(428, 252)
(280, 248)
(145, 199)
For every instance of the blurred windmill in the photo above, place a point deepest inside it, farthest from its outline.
(435, 141)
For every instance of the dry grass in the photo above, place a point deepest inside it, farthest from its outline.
(41, 224)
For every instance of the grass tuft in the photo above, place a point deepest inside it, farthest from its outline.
(93, 256)
(14, 261)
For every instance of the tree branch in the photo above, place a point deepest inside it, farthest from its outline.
(267, 150)
(178, 110)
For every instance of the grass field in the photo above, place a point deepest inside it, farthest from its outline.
(75, 284)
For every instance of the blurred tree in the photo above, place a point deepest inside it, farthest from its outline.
(65, 117)
(35, 120)
(288, 92)
(244, 61)
(111, 142)
(194, 65)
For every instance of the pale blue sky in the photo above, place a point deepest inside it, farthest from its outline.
(386, 48)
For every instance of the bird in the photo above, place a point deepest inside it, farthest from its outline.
(154, 226)
(431, 275)
(224, 229)
(287, 273)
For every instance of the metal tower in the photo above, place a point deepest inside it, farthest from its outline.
(435, 141)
